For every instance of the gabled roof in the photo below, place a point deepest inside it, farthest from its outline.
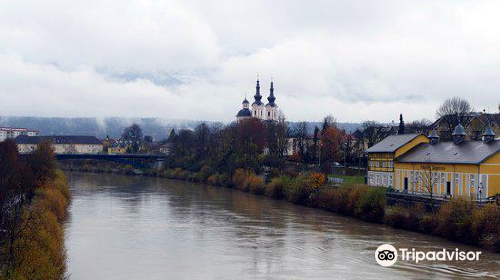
(468, 152)
(168, 145)
(391, 143)
(485, 118)
(70, 139)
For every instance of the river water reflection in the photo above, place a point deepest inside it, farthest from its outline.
(123, 227)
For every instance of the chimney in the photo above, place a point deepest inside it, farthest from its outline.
(488, 135)
(434, 137)
(458, 134)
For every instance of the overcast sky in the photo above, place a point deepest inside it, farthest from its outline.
(196, 59)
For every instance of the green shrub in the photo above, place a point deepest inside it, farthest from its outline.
(128, 169)
(223, 180)
(255, 184)
(213, 179)
(324, 199)
(341, 200)
(61, 184)
(239, 177)
(486, 227)
(428, 224)
(298, 191)
(276, 188)
(371, 205)
(454, 220)
(354, 193)
(396, 217)
(204, 173)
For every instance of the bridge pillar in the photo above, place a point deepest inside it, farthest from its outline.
(159, 164)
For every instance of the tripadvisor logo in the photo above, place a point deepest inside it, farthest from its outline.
(387, 255)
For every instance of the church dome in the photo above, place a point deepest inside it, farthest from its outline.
(244, 113)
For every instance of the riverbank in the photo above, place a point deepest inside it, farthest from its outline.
(458, 220)
(35, 205)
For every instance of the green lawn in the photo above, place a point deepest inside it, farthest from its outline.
(352, 179)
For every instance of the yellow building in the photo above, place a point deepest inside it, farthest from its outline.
(451, 169)
(116, 150)
(382, 155)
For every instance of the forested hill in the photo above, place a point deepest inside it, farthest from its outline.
(159, 128)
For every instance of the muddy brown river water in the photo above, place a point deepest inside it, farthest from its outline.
(123, 227)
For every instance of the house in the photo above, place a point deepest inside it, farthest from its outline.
(116, 150)
(450, 169)
(166, 148)
(474, 123)
(13, 132)
(382, 155)
(74, 144)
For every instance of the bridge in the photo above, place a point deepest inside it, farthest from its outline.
(135, 160)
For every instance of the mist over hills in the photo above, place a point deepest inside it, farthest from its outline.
(158, 128)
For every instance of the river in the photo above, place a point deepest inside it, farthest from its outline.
(124, 227)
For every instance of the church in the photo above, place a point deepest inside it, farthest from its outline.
(268, 112)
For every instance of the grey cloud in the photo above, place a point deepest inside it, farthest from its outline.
(196, 59)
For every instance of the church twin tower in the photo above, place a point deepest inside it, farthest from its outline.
(268, 112)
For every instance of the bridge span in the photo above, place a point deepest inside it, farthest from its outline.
(135, 160)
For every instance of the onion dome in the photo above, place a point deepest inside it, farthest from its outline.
(434, 137)
(488, 135)
(489, 131)
(271, 97)
(459, 130)
(257, 95)
(458, 134)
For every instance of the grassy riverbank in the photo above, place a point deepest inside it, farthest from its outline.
(34, 208)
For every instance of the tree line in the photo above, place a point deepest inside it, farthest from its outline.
(33, 200)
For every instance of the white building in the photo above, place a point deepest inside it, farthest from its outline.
(260, 111)
(13, 132)
(61, 144)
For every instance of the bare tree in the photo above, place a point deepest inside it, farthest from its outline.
(430, 180)
(418, 126)
(346, 144)
(329, 121)
(454, 106)
(452, 112)
(132, 135)
(301, 136)
(370, 132)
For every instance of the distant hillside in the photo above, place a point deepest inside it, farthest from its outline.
(159, 128)
(348, 127)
